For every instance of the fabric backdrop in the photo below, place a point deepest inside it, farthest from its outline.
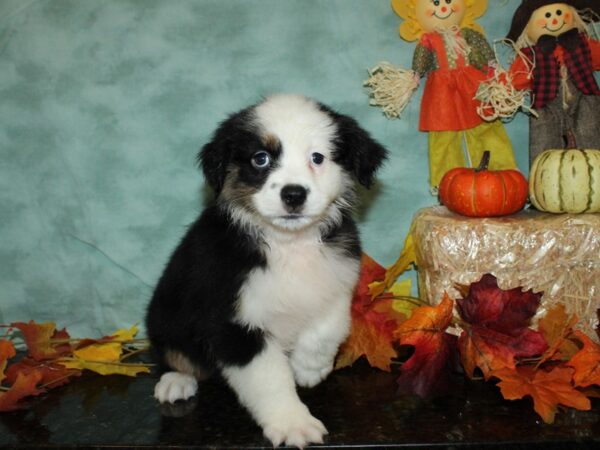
(105, 103)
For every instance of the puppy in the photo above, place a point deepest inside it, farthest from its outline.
(259, 288)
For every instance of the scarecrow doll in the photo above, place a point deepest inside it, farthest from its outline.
(455, 57)
(556, 59)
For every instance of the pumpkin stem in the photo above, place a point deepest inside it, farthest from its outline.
(485, 161)
(570, 138)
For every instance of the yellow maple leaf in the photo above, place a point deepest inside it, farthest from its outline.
(110, 351)
(125, 335)
(406, 258)
(105, 367)
(403, 302)
(105, 358)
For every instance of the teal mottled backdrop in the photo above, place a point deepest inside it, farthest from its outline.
(104, 104)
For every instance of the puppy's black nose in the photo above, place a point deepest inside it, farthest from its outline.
(293, 195)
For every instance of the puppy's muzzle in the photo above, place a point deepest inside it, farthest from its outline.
(293, 197)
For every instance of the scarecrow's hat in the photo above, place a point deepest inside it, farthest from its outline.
(524, 12)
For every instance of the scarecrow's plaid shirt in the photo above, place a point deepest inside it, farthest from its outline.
(577, 58)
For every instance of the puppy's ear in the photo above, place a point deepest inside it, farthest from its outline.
(214, 158)
(357, 151)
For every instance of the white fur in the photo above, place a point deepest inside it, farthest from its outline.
(304, 284)
(266, 388)
(302, 129)
(174, 386)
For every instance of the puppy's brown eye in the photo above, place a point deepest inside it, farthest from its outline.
(261, 160)
(317, 158)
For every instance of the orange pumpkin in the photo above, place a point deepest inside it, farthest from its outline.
(483, 193)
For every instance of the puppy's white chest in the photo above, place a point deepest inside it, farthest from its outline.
(303, 281)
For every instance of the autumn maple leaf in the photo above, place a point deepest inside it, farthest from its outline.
(39, 337)
(556, 327)
(586, 362)
(547, 389)
(105, 356)
(25, 385)
(52, 375)
(373, 323)
(7, 351)
(427, 371)
(496, 327)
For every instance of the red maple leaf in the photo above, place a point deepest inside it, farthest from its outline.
(52, 375)
(427, 371)
(496, 330)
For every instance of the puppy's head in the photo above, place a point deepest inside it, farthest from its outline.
(289, 162)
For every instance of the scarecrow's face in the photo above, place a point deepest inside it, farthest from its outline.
(439, 14)
(552, 19)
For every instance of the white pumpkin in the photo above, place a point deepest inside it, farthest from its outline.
(566, 181)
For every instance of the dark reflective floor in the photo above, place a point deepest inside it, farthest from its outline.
(359, 407)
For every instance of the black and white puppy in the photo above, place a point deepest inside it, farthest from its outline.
(260, 286)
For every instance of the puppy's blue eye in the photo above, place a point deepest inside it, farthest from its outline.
(261, 160)
(317, 158)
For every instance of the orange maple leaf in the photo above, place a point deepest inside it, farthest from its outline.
(586, 362)
(556, 326)
(426, 323)
(25, 385)
(426, 371)
(489, 354)
(38, 337)
(7, 351)
(372, 339)
(547, 389)
(373, 323)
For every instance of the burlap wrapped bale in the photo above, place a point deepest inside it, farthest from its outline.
(558, 255)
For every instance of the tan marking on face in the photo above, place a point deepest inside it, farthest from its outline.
(271, 142)
(235, 192)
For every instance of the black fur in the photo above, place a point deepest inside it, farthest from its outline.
(356, 150)
(194, 301)
(234, 142)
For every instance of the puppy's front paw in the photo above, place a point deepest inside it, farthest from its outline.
(175, 386)
(310, 370)
(295, 428)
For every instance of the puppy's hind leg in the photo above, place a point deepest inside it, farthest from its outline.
(266, 387)
(180, 384)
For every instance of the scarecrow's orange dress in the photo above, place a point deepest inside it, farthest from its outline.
(448, 102)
